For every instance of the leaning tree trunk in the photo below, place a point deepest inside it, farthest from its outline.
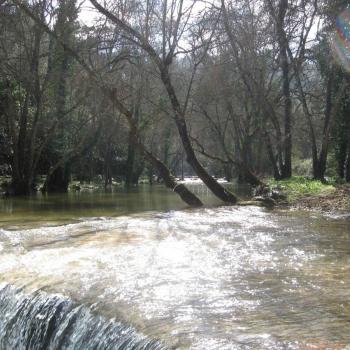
(179, 117)
(218, 190)
(169, 180)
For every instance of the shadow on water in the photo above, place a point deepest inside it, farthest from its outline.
(50, 209)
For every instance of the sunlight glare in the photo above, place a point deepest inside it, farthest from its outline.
(340, 43)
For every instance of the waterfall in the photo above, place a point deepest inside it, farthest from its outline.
(44, 321)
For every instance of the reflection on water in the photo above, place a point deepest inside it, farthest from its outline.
(214, 278)
(61, 208)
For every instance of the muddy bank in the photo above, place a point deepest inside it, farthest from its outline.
(337, 200)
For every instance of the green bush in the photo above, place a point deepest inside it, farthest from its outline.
(302, 167)
(299, 186)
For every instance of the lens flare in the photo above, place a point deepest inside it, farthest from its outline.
(341, 40)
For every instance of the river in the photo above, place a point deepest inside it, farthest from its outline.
(139, 270)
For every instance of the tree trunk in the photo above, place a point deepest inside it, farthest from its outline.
(283, 145)
(20, 187)
(347, 175)
(179, 117)
(58, 181)
(129, 167)
(169, 180)
(283, 43)
(23, 144)
(341, 157)
(274, 162)
(218, 190)
(306, 110)
(107, 168)
(150, 175)
(322, 160)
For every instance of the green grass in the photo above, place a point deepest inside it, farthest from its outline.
(299, 186)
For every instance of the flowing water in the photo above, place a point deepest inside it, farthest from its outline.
(140, 271)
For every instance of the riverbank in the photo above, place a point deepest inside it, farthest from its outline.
(308, 194)
(297, 192)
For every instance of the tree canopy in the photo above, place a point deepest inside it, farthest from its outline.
(232, 88)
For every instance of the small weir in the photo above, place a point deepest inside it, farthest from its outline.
(42, 321)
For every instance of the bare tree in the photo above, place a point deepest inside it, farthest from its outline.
(163, 171)
(170, 42)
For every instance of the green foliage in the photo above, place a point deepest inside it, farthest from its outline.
(298, 186)
(302, 167)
